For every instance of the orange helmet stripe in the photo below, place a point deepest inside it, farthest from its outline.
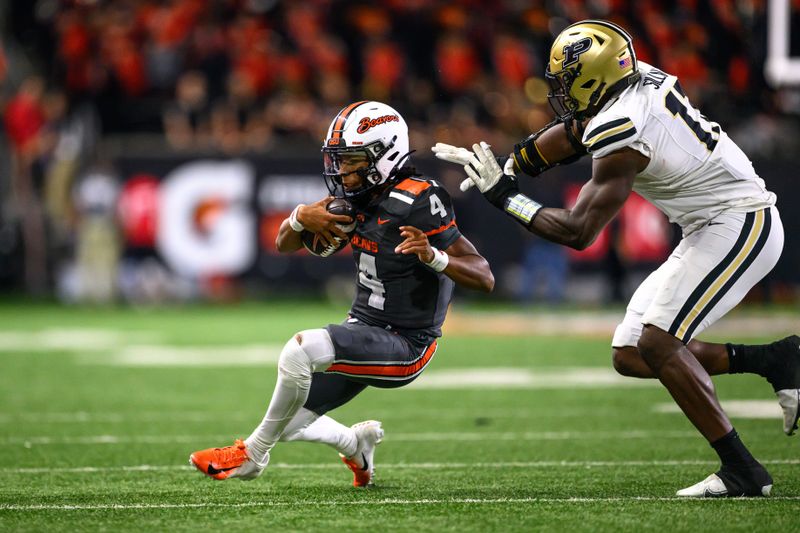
(341, 119)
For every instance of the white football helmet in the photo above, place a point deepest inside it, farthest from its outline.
(370, 129)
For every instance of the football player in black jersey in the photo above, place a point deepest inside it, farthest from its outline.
(409, 255)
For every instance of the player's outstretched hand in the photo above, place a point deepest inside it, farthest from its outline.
(451, 154)
(316, 219)
(415, 242)
(454, 154)
(484, 171)
(482, 168)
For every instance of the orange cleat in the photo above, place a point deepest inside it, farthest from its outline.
(362, 463)
(227, 462)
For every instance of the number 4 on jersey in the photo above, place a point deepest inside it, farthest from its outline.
(437, 207)
(368, 277)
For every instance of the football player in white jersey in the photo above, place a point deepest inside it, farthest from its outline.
(644, 135)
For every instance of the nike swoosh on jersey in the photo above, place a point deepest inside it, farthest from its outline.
(383, 220)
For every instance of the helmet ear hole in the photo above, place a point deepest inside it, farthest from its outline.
(393, 156)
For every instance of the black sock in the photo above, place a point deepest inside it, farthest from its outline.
(749, 359)
(732, 451)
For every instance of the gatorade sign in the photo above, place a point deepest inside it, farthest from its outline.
(206, 222)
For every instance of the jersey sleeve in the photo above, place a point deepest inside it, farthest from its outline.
(621, 125)
(608, 132)
(432, 213)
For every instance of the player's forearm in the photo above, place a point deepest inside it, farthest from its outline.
(471, 271)
(288, 240)
(554, 145)
(562, 227)
(548, 148)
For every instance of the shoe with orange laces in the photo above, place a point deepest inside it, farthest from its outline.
(369, 434)
(227, 462)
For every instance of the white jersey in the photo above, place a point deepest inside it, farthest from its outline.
(696, 172)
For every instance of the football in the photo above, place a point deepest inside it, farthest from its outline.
(312, 241)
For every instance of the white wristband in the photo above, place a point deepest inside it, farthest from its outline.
(293, 222)
(440, 260)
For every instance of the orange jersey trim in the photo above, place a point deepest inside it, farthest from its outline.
(413, 186)
(396, 370)
(441, 228)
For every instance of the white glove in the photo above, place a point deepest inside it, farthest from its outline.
(462, 156)
(457, 155)
(498, 185)
(508, 168)
(452, 154)
(482, 168)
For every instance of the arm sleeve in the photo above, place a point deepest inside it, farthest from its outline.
(433, 214)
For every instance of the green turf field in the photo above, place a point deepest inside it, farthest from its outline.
(100, 409)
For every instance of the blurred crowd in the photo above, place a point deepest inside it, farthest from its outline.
(245, 75)
(258, 76)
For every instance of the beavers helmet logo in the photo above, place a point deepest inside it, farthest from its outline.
(366, 123)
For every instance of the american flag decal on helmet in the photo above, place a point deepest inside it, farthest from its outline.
(625, 63)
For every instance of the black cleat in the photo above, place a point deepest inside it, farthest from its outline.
(732, 483)
(751, 481)
(784, 376)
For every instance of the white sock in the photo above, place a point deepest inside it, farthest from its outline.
(307, 352)
(307, 426)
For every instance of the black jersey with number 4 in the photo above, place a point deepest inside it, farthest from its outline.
(393, 289)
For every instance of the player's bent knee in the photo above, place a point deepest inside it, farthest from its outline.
(648, 347)
(294, 362)
(318, 347)
(620, 357)
(656, 346)
(629, 362)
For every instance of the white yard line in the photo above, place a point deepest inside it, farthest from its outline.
(601, 324)
(391, 466)
(734, 408)
(397, 437)
(85, 417)
(160, 355)
(78, 340)
(137, 349)
(349, 503)
(400, 413)
(527, 378)
(537, 435)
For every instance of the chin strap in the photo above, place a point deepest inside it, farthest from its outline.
(397, 173)
(402, 172)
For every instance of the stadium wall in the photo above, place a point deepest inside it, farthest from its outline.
(216, 219)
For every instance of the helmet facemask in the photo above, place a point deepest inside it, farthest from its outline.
(334, 156)
(564, 105)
